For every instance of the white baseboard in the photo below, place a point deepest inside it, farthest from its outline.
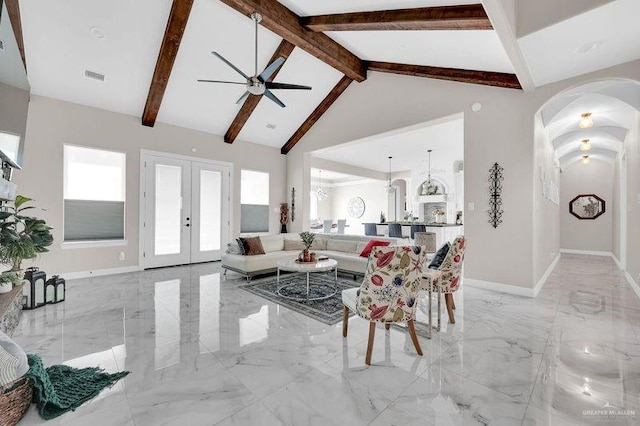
(587, 252)
(632, 283)
(99, 272)
(545, 276)
(617, 262)
(499, 287)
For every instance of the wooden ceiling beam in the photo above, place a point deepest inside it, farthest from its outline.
(466, 17)
(334, 94)
(283, 22)
(13, 9)
(178, 17)
(487, 78)
(284, 49)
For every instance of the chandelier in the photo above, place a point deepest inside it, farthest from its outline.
(321, 194)
(390, 188)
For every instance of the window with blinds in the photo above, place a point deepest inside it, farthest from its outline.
(94, 194)
(254, 201)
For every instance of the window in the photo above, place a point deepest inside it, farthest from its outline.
(10, 146)
(254, 201)
(94, 194)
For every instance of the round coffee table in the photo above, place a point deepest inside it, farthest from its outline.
(326, 289)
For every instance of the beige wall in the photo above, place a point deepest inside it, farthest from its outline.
(579, 234)
(502, 131)
(546, 213)
(53, 123)
(14, 106)
(616, 209)
(632, 147)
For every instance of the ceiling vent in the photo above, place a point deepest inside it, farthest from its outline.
(271, 126)
(93, 75)
(1, 46)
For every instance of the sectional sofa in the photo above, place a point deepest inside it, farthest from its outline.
(345, 249)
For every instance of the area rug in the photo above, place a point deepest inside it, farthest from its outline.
(327, 311)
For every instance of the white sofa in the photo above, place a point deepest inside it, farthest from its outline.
(345, 249)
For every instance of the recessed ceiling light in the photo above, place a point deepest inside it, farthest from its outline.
(589, 47)
(585, 121)
(271, 126)
(97, 32)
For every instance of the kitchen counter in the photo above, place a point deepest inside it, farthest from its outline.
(428, 225)
(444, 231)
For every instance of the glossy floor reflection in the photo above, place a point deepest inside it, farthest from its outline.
(203, 352)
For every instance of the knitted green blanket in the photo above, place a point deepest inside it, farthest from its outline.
(61, 388)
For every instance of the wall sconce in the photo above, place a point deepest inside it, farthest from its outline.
(586, 121)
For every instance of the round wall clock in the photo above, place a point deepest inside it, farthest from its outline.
(356, 207)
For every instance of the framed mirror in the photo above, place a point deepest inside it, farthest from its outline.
(587, 206)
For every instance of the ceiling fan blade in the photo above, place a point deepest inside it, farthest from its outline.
(230, 64)
(242, 97)
(268, 71)
(271, 96)
(286, 86)
(220, 81)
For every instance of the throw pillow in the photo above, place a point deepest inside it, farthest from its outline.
(240, 246)
(290, 245)
(8, 367)
(440, 255)
(252, 246)
(234, 248)
(370, 245)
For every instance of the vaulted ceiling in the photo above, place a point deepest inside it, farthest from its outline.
(152, 52)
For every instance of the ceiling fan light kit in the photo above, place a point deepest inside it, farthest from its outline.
(258, 84)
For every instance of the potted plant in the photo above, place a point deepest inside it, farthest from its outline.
(6, 282)
(21, 236)
(307, 240)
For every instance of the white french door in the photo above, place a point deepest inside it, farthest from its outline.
(186, 210)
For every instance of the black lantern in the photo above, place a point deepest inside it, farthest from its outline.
(58, 285)
(33, 293)
(50, 291)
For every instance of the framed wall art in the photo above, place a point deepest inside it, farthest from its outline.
(587, 206)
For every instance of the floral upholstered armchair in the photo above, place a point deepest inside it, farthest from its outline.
(446, 279)
(388, 292)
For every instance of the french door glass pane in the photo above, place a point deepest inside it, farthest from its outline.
(168, 209)
(210, 209)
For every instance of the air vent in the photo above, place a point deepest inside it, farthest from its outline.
(94, 75)
(1, 46)
(271, 126)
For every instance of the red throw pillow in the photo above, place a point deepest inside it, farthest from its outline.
(371, 244)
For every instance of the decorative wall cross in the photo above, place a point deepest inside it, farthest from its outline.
(495, 199)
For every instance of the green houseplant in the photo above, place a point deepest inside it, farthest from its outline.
(307, 239)
(21, 236)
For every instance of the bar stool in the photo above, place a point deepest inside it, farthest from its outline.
(370, 229)
(395, 230)
(427, 239)
(417, 228)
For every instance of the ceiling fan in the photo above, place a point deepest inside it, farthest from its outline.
(258, 84)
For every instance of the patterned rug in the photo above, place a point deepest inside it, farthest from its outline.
(327, 311)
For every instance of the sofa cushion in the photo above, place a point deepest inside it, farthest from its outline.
(271, 243)
(290, 245)
(234, 248)
(342, 245)
(252, 246)
(370, 245)
(319, 244)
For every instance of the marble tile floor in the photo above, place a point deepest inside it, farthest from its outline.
(203, 352)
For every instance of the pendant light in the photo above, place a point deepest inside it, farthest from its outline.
(586, 121)
(585, 159)
(429, 172)
(321, 194)
(390, 188)
(585, 145)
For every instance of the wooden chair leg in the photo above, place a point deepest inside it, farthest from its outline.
(387, 326)
(345, 321)
(372, 334)
(414, 336)
(448, 298)
(453, 302)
